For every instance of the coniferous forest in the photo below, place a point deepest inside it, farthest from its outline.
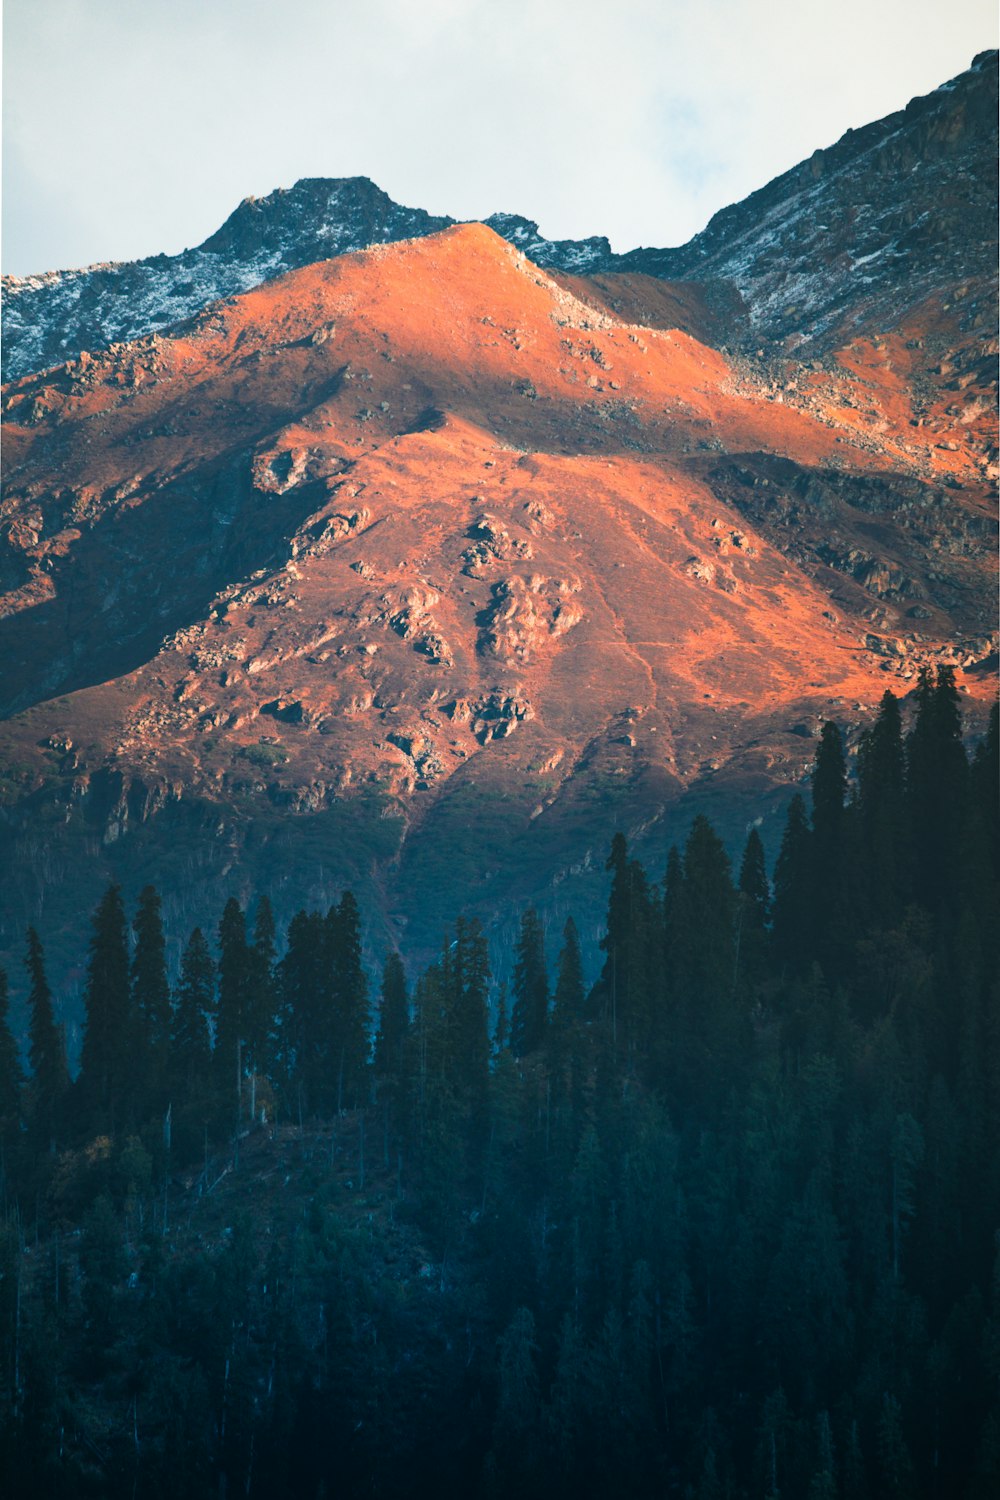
(723, 1224)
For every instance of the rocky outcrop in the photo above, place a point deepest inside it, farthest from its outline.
(491, 543)
(494, 716)
(524, 614)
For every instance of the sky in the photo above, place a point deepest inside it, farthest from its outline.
(133, 127)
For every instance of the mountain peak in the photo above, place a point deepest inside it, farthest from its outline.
(859, 230)
(316, 218)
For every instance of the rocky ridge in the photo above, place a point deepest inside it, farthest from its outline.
(858, 232)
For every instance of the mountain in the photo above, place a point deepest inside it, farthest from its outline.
(833, 240)
(866, 229)
(424, 568)
(57, 315)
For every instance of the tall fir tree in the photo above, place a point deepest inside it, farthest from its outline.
(46, 1053)
(231, 1013)
(707, 959)
(568, 1002)
(985, 787)
(531, 988)
(567, 1048)
(753, 913)
(882, 864)
(513, 1461)
(665, 1039)
(392, 1037)
(606, 996)
(350, 1017)
(105, 1064)
(304, 1052)
(11, 1088)
(467, 981)
(193, 1011)
(150, 1013)
(622, 996)
(710, 950)
(936, 775)
(262, 989)
(793, 911)
(394, 1059)
(828, 869)
(981, 842)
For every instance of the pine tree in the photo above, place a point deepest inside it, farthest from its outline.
(895, 1462)
(262, 989)
(881, 788)
(829, 865)
(105, 1065)
(566, 1023)
(667, 1043)
(304, 981)
(190, 1040)
(150, 1013)
(230, 1029)
(985, 785)
(515, 1429)
(531, 988)
(350, 1018)
(46, 1053)
(11, 1086)
(392, 1040)
(829, 789)
(794, 913)
(566, 1403)
(936, 776)
(707, 959)
(466, 979)
(981, 853)
(612, 986)
(501, 1026)
(824, 1481)
(752, 912)
(623, 997)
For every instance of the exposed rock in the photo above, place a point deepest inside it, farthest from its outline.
(276, 472)
(292, 712)
(525, 613)
(493, 543)
(325, 532)
(498, 715)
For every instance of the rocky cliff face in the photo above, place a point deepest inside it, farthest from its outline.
(425, 568)
(858, 232)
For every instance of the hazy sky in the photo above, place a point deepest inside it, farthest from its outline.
(136, 126)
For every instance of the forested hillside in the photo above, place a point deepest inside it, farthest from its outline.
(723, 1224)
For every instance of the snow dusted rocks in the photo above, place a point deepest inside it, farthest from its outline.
(882, 210)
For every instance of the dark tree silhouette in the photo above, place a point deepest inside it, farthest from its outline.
(531, 988)
(105, 1065)
(46, 1052)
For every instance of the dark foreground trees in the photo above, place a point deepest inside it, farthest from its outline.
(726, 1225)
